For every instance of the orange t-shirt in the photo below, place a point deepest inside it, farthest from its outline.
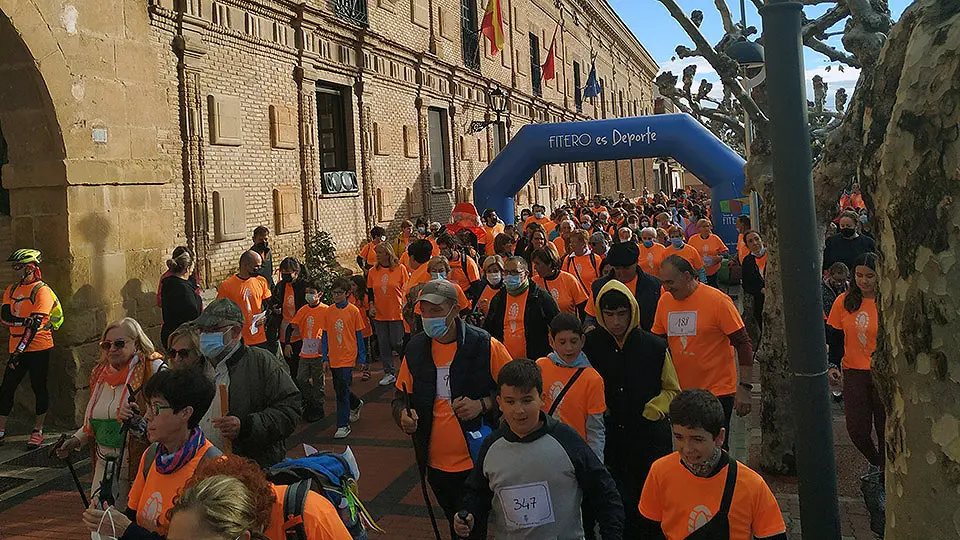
(650, 258)
(491, 235)
(289, 310)
(514, 337)
(321, 521)
(547, 223)
(682, 502)
(448, 448)
(341, 327)
(711, 246)
(583, 399)
(859, 331)
(688, 252)
(697, 329)
(363, 304)
(591, 308)
(21, 306)
(388, 285)
(460, 278)
(249, 294)
(368, 253)
(761, 263)
(483, 304)
(309, 322)
(565, 290)
(153, 497)
(561, 245)
(742, 249)
(586, 268)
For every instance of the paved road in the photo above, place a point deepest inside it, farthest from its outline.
(39, 501)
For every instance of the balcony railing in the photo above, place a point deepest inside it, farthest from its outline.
(354, 11)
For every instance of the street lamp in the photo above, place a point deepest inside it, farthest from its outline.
(498, 103)
(749, 55)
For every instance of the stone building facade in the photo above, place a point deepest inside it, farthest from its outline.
(133, 126)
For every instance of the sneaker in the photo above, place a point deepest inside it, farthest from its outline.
(342, 432)
(388, 379)
(36, 440)
(355, 413)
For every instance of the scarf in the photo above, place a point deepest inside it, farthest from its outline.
(580, 362)
(104, 373)
(169, 463)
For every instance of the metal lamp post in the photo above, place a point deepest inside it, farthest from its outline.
(800, 268)
(498, 104)
(749, 55)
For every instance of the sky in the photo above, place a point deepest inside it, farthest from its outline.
(660, 34)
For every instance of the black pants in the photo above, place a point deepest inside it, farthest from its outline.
(294, 361)
(727, 403)
(37, 363)
(448, 489)
(629, 454)
(271, 346)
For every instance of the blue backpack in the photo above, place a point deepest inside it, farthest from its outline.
(328, 474)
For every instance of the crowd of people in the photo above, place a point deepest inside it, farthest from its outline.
(571, 376)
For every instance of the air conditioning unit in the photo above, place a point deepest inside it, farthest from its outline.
(337, 182)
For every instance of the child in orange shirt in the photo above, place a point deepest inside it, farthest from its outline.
(340, 345)
(309, 375)
(358, 297)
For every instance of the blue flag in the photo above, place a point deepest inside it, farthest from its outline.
(592, 88)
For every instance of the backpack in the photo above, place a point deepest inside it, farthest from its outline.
(330, 475)
(56, 312)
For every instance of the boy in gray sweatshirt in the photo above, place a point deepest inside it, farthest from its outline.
(533, 473)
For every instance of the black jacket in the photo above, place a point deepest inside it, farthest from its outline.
(846, 250)
(540, 310)
(266, 268)
(277, 298)
(647, 295)
(469, 377)
(753, 284)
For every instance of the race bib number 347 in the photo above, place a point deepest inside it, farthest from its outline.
(682, 323)
(526, 505)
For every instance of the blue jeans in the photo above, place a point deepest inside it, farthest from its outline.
(346, 400)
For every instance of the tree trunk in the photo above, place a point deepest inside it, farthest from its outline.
(910, 171)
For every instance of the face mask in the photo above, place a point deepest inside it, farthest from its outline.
(97, 535)
(438, 275)
(648, 243)
(760, 253)
(677, 242)
(435, 327)
(864, 218)
(211, 343)
(494, 278)
(539, 215)
(286, 278)
(311, 298)
(513, 282)
(848, 233)
(383, 238)
(422, 230)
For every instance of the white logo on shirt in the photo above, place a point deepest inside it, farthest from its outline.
(513, 313)
(152, 509)
(699, 517)
(862, 321)
(338, 326)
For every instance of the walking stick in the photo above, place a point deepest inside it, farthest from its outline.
(421, 464)
(73, 472)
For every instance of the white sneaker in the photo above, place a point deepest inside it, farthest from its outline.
(355, 413)
(342, 433)
(388, 379)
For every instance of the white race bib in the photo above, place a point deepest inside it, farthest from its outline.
(443, 383)
(682, 323)
(526, 506)
(310, 347)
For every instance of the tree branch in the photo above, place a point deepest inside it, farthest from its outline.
(831, 53)
(726, 67)
(818, 26)
(728, 25)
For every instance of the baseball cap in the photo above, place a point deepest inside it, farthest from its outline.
(438, 291)
(221, 310)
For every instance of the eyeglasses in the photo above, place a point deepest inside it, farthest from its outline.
(155, 408)
(513, 272)
(117, 344)
(180, 353)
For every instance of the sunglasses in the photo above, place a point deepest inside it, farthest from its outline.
(180, 353)
(117, 345)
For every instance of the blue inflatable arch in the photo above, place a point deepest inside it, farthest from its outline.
(677, 136)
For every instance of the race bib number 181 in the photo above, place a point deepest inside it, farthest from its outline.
(526, 505)
(682, 323)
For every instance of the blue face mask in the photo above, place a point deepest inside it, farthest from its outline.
(512, 282)
(648, 243)
(677, 242)
(435, 327)
(438, 275)
(211, 344)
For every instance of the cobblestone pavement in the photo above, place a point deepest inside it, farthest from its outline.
(38, 498)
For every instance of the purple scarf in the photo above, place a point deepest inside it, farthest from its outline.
(168, 463)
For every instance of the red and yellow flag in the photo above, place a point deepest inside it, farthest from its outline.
(492, 26)
(549, 69)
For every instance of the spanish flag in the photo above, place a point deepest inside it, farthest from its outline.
(492, 26)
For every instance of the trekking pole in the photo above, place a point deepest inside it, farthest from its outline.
(73, 471)
(463, 517)
(422, 466)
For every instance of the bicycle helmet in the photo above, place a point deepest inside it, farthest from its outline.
(25, 256)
